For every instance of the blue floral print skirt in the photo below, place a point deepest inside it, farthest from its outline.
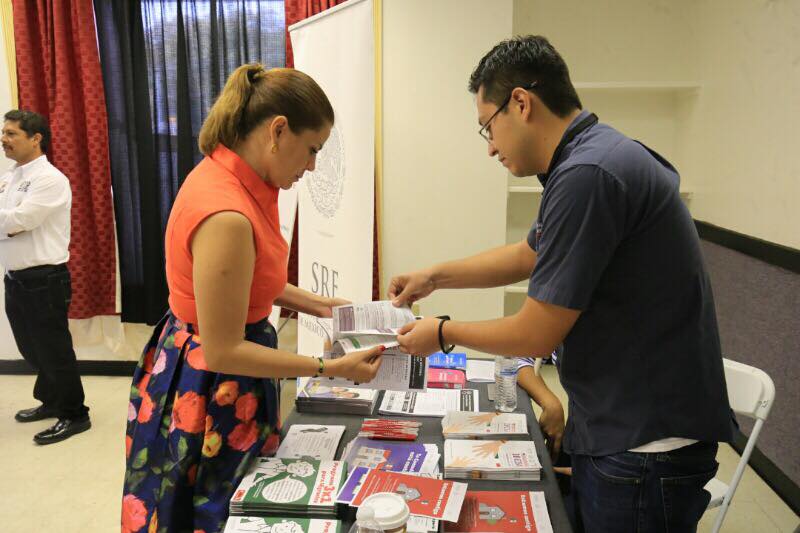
(192, 434)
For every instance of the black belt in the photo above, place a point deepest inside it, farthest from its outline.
(41, 271)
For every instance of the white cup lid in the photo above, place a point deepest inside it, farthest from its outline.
(391, 510)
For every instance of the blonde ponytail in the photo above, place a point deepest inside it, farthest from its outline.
(252, 94)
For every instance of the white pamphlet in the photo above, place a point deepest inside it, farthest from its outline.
(463, 425)
(491, 459)
(479, 371)
(357, 327)
(310, 440)
(434, 402)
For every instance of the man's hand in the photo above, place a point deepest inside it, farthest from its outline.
(420, 337)
(406, 289)
(552, 423)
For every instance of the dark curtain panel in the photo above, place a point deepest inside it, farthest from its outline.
(141, 202)
(164, 63)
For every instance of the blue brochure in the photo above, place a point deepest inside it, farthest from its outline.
(455, 361)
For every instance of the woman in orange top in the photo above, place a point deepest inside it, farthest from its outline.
(204, 401)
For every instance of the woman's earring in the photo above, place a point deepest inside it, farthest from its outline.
(274, 148)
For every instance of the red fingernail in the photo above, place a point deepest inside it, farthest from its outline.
(382, 347)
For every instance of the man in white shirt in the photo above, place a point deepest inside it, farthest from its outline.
(35, 202)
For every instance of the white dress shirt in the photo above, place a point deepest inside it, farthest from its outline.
(35, 203)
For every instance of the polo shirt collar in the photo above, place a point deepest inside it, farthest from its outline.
(30, 165)
(558, 156)
(263, 192)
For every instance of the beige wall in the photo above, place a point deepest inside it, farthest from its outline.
(745, 148)
(735, 139)
(443, 198)
(614, 40)
(641, 43)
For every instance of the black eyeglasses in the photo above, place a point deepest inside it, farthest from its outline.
(485, 132)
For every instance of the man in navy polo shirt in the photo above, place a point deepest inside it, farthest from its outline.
(615, 274)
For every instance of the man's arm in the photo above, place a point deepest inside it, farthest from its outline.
(493, 268)
(535, 330)
(46, 195)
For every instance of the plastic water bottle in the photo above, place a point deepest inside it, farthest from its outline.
(505, 388)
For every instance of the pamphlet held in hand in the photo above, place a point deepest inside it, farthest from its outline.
(356, 327)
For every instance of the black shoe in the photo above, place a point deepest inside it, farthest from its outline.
(63, 429)
(35, 413)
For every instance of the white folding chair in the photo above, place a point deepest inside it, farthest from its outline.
(751, 393)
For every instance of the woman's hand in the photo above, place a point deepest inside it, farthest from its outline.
(359, 367)
(420, 337)
(325, 306)
(304, 301)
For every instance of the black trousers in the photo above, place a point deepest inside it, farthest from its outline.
(37, 300)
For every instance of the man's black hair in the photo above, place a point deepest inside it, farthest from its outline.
(520, 61)
(31, 123)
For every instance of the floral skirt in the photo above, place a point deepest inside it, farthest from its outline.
(192, 433)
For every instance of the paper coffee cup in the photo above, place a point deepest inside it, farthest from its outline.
(391, 510)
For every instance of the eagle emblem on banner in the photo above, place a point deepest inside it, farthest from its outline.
(326, 183)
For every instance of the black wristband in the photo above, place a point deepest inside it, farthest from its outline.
(450, 348)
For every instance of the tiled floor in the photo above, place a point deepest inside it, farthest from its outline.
(75, 486)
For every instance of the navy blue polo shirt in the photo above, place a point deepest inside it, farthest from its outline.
(614, 240)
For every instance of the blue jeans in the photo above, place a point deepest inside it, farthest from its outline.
(643, 492)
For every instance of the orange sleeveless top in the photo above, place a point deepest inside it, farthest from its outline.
(224, 182)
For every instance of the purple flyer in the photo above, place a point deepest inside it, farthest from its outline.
(352, 486)
(381, 455)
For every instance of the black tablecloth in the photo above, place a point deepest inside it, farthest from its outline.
(431, 433)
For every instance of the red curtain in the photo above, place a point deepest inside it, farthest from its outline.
(295, 11)
(59, 76)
